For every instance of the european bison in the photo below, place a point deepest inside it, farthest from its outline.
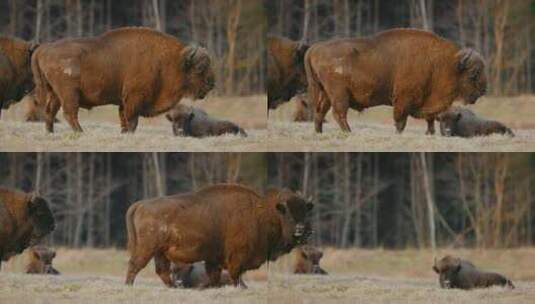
(307, 260)
(15, 73)
(196, 122)
(143, 71)
(41, 259)
(286, 71)
(25, 219)
(195, 276)
(228, 226)
(457, 273)
(463, 122)
(416, 72)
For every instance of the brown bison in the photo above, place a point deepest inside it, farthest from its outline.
(195, 276)
(286, 71)
(416, 72)
(15, 72)
(25, 219)
(143, 71)
(307, 260)
(303, 111)
(41, 259)
(196, 122)
(228, 226)
(463, 122)
(457, 273)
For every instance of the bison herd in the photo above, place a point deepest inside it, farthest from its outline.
(206, 238)
(142, 71)
(416, 72)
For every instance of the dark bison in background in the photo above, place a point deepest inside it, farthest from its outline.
(40, 261)
(227, 226)
(24, 220)
(143, 71)
(457, 273)
(462, 122)
(307, 260)
(416, 72)
(15, 72)
(286, 71)
(195, 122)
(195, 276)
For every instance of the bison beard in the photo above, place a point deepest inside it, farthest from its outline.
(25, 219)
(286, 72)
(457, 273)
(416, 72)
(228, 226)
(143, 71)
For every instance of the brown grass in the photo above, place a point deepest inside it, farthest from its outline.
(368, 276)
(102, 130)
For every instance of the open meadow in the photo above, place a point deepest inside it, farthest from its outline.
(102, 130)
(365, 276)
(373, 130)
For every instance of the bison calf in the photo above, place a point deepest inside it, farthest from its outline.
(41, 261)
(457, 273)
(195, 122)
(307, 260)
(416, 72)
(227, 226)
(24, 220)
(195, 276)
(463, 122)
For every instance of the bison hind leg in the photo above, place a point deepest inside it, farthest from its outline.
(213, 271)
(135, 264)
(163, 269)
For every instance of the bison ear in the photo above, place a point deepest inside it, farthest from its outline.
(281, 208)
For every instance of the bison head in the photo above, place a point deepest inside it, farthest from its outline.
(447, 268)
(448, 122)
(40, 218)
(46, 256)
(293, 212)
(313, 255)
(472, 78)
(197, 68)
(286, 73)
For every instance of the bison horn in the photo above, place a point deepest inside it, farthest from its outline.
(465, 55)
(190, 52)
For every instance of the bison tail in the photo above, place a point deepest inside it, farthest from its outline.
(131, 228)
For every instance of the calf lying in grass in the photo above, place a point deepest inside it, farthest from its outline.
(41, 261)
(457, 273)
(463, 122)
(196, 122)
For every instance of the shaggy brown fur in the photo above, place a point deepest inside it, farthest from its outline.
(457, 273)
(307, 260)
(303, 111)
(40, 261)
(195, 276)
(417, 72)
(463, 122)
(196, 122)
(15, 73)
(24, 220)
(286, 72)
(143, 71)
(228, 226)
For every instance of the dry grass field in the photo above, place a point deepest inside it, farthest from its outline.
(373, 130)
(355, 276)
(102, 130)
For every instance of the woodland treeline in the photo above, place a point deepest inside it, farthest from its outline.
(89, 193)
(503, 31)
(399, 200)
(232, 30)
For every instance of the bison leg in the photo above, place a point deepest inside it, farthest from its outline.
(322, 107)
(70, 101)
(400, 117)
(340, 114)
(430, 126)
(51, 110)
(213, 271)
(163, 269)
(135, 264)
(124, 121)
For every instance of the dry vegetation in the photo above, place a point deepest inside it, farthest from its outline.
(102, 130)
(355, 275)
(373, 130)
